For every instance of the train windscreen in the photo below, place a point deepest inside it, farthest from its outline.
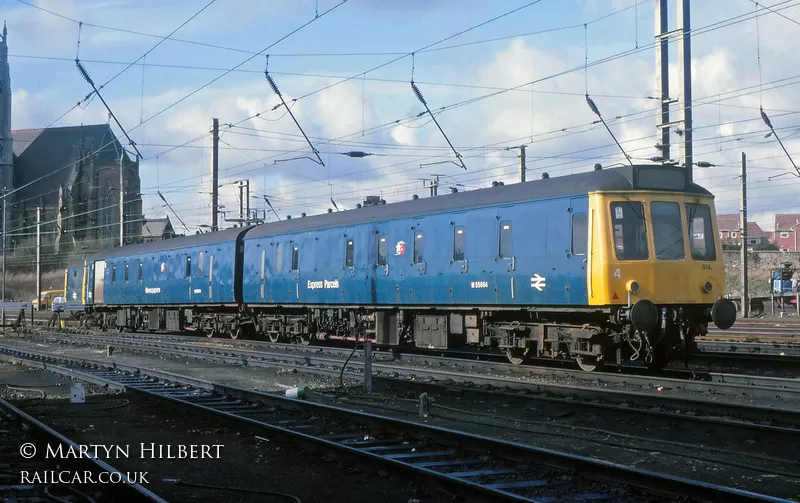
(701, 234)
(630, 234)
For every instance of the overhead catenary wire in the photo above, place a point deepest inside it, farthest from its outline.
(421, 98)
(277, 91)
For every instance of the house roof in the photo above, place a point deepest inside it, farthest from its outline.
(727, 223)
(39, 152)
(786, 221)
(155, 227)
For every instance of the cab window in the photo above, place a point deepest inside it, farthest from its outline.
(667, 230)
(701, 235)
(630, 234)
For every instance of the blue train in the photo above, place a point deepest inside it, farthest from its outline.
(610, 263)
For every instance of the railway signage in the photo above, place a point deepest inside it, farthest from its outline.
(400, 248)
(313, 285)
(538, 282)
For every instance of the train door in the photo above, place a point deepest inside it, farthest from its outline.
(99, 279)
(577, 254)
(506, 285)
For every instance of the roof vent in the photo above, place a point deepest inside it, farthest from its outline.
(330, 210)
(494, 183)
(598, 167)
(545, 175)
(453, 190)
(288, 217)
(373, 200)
(415, 197)
(303, 214)
(358, 205)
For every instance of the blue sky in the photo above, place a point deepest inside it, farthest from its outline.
(551, 116)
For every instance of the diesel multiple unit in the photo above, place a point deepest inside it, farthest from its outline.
(621, 263)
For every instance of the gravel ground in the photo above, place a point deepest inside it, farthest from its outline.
(545, 425)
(265, 464)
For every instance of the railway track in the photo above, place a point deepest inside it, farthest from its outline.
(21, 433)
(589, 391)
(268, 352)
(469, 464)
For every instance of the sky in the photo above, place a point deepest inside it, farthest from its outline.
(496, 75)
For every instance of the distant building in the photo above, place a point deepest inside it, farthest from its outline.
(785, 235)
(730, 231)
(155, 229)
(72, 174)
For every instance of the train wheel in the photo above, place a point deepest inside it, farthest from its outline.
(516, 355)
(589, 363)
(235, 332)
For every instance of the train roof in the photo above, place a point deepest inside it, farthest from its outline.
(625, 178)
(208, 238)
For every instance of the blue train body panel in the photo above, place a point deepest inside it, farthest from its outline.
(194, 270)
(537, 264)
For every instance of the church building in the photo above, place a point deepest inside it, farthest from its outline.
(73, 174)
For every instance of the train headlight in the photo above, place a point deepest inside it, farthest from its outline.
(707, 287)
(632, 286)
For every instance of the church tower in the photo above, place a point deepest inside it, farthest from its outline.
(6, 154)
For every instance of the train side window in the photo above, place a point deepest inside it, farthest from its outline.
(140, 271)
(349, 254)
(295, 257)
(188, 273)
(74, 274)
(419, 247)
(126, 272)
(701, 235)
(279, 257)
(381, 250)
(263, 264)
(630, 234)
(580, 234)
(667, 230)
(113, 274)
(201, 264)
(505, 250)
(459, 234)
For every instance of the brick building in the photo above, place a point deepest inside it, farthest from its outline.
(785, 235)
(730, 231)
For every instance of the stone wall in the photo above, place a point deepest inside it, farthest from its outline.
(759, 265)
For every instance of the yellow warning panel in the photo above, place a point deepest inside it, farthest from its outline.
(664, 244)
